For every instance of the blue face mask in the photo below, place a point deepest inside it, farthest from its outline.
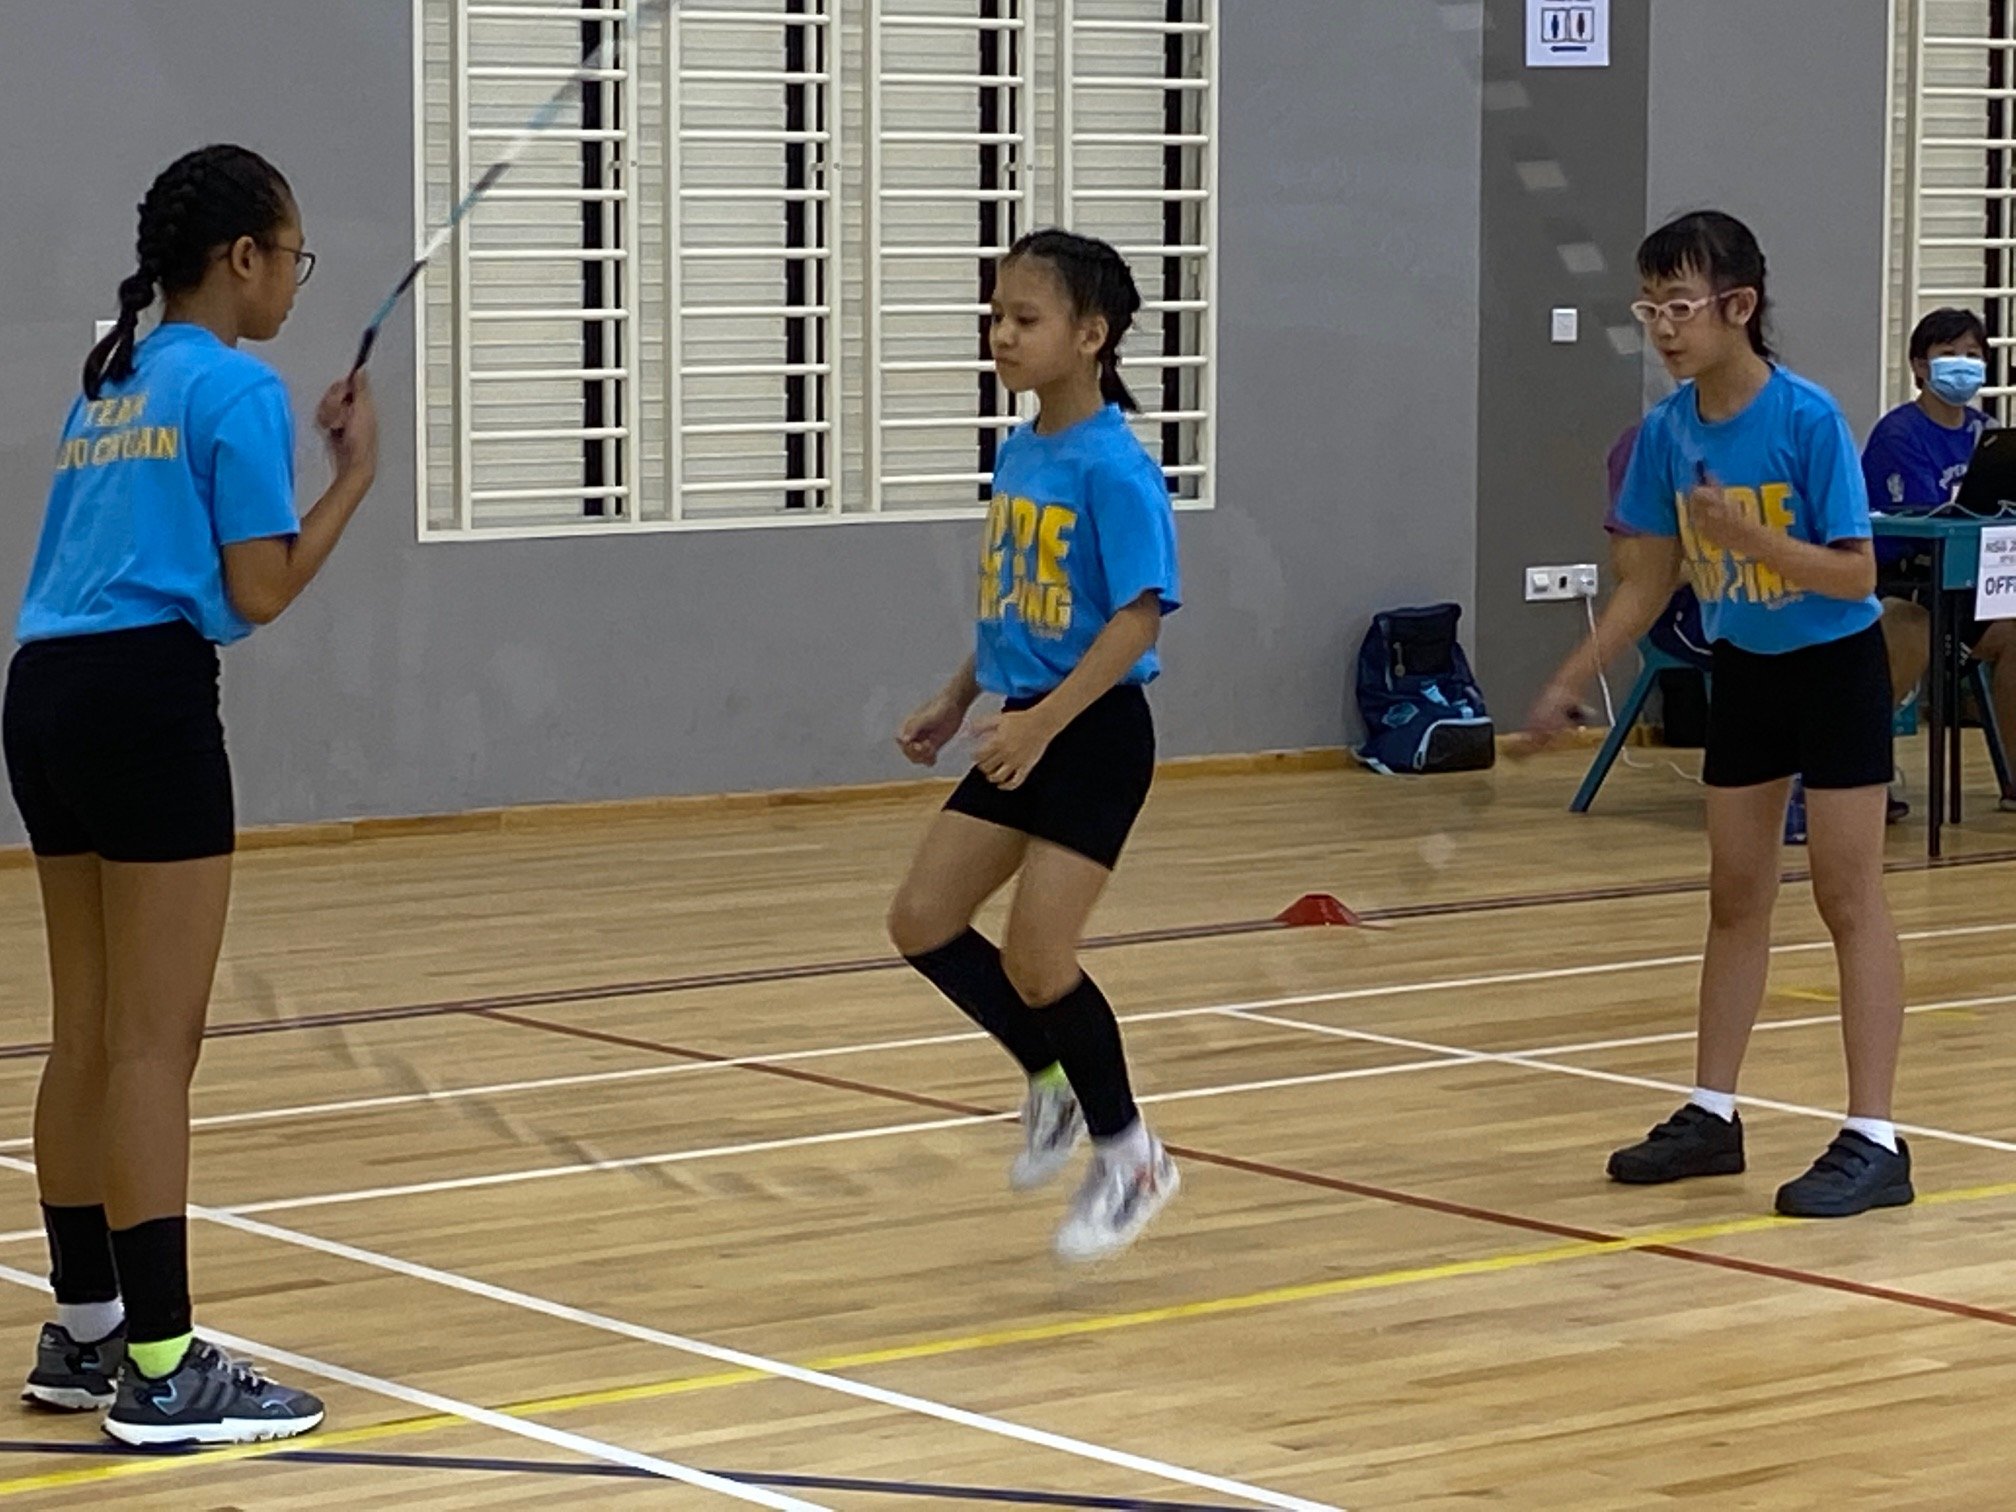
(1957, 379)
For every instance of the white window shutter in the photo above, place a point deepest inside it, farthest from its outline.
(946, 190)
(1137, 138)
(743, 278)
(755, 420)
(1953, 178)
(535, 400)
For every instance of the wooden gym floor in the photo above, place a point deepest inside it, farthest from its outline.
(571, 1161)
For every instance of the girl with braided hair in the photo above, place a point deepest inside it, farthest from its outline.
(170, 531)
(1077, 569)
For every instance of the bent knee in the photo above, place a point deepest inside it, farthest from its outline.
(916, 927)
(1041, 976)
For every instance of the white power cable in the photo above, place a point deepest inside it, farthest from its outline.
(1610, 705)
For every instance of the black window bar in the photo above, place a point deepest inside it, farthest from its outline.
(1995, 310)
(1176, 116)
(602, 458)
(1000, 57)
(798, 271)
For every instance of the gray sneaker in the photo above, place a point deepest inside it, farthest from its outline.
(1052, 1126)
(210, 1398)
(75, 1377)
(1115, 1204)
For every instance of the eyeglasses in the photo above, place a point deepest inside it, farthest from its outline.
(304, 261)
(1678, 311)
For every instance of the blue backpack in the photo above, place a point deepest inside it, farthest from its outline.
(1421, 705)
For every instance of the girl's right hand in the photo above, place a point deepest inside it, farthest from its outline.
(927, 732)
(348, 419)
(1557, 710)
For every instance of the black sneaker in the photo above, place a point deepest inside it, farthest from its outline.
(75, 1377)
(1853, 1175)
(1693, 1142)
(210, 1398)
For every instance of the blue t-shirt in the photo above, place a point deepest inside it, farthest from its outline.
(1080, 528)
(192, 453)
(1787, 461)
(1912, 462)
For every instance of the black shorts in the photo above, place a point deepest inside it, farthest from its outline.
(1087, 791)
(115, 747)
(1822, 713)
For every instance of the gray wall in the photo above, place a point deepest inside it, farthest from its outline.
(1775, 110)
(1348, 389)
(449, 677)
(1368, 458)
(1562, 212)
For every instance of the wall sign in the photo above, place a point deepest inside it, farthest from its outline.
(1567, 33)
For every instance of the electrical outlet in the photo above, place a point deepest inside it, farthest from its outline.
(1548, 585)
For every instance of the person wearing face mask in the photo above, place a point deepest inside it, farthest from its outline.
(1915, 460)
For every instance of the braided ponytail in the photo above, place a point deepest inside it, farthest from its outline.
(1099, 282)
(202, 201)
(111, 360)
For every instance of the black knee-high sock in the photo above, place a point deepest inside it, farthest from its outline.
(1087, 1036)
(153, 1262)
(80, 1255)
(969, 972)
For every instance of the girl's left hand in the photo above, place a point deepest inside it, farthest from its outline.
(348, 420)
(1721, 522)
(1010, 746)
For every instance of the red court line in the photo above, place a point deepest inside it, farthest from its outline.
(862, 965)
(1920, 1300)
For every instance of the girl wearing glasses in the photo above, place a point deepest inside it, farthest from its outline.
(1746, 482)
(170, 531)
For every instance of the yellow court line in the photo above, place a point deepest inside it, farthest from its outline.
(1035, 1333)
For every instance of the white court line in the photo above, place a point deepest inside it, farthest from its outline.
(764, 1146)
(782, 1370)
(1443, 1058)
(622, 1163)
(926, 1041)
(1811, 1021)
(752, 1147)
(536, 1084)
(414, 1396)
(1535, 1062)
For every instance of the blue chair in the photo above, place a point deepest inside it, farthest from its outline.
(1656, 661)
(1976, 674)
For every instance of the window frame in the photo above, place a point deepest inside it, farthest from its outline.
(1908, 291)
(1048, 157)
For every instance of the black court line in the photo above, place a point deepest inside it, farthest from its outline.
(993, 1495)
(604, 992)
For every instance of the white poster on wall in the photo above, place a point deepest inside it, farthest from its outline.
(1567, 33)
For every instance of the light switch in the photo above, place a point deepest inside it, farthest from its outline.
(1567, 326)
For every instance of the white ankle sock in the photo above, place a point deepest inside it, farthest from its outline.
(88, 1322)
(1721, 1104)
(1876, 1130)
(1131, 1143)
